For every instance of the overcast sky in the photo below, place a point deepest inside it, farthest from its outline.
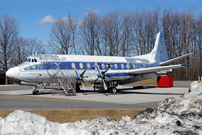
(36, 16)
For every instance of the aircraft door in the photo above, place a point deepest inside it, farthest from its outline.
(47, 70)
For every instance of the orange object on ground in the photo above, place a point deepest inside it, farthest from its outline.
(164, 81)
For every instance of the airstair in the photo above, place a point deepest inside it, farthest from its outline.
(68, 85)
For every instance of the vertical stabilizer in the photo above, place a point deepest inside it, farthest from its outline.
(159, 52)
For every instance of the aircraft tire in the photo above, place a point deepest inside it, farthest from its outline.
(102, 90)
(35, 92)
(78, 88)
(113, 90)
(109, 89)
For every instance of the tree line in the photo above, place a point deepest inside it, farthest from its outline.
(119, 33)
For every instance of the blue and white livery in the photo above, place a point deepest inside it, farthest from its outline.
(108, 71)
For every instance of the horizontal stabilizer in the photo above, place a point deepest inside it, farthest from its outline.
(174, 59)
(155, 69)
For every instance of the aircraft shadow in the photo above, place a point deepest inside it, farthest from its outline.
(150, 93)
(119, 92)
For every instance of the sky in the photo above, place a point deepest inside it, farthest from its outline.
(35, 17)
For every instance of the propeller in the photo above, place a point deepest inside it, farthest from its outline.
(102, 74)
(80, 77)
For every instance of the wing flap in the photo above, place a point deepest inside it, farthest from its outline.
(155, 69)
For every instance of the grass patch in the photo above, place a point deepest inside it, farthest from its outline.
(72, 115)
(152, 81)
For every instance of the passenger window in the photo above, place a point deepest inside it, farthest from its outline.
(35, 60)
(134, 66)
(122, 66)
(32, 60)
(73, 65)
(115, 66)
(128, 65)
(103, 66)
(81, 65)
(88, 65)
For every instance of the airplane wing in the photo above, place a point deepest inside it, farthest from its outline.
(174, 59)
(155, 69)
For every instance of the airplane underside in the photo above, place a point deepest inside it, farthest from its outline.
(65, 78)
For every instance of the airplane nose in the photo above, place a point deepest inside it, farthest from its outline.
(12, 72)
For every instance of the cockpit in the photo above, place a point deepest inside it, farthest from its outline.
(31, 60)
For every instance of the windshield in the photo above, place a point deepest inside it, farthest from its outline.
(30, 60)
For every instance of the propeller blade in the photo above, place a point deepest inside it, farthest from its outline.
(82, 73)
(84, 88)
(104, 84)
(103, 75)
(96, 65)
(76, 72)
(96, 79)
(105, 71)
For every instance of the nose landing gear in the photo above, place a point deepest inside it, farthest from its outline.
(35, 92)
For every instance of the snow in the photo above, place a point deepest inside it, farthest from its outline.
(173, 117)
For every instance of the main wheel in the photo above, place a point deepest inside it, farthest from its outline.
(102, 90)
(78, 88)
(114, 90)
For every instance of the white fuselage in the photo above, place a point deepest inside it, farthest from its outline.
(48, 68)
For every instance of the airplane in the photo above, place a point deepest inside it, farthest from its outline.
(107, 71)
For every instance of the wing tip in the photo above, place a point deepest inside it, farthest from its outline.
(185, 65)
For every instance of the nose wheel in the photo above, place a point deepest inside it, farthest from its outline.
(35, 92)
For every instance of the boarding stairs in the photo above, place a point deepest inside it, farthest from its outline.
(68, 85)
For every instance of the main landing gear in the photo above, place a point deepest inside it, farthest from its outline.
(110, 89)
(78, 88)
(35, 92)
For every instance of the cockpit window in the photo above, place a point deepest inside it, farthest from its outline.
(29, 60)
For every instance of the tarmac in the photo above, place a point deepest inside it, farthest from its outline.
(128, 97)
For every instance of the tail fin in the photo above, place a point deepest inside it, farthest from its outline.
(159, 52)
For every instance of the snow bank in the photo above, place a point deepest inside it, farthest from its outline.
(182, 116)
(190, 102)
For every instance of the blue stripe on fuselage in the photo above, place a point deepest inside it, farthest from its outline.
(85, 65)
(116, 74)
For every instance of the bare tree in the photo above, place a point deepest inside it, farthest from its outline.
(19, 52)
(113, 32)
(127, 33)
(25, 48)
(32, 45)
(8, 39)
(62, 36)
(145, 26)
(90, 33)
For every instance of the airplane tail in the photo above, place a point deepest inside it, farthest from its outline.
(159, 52)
